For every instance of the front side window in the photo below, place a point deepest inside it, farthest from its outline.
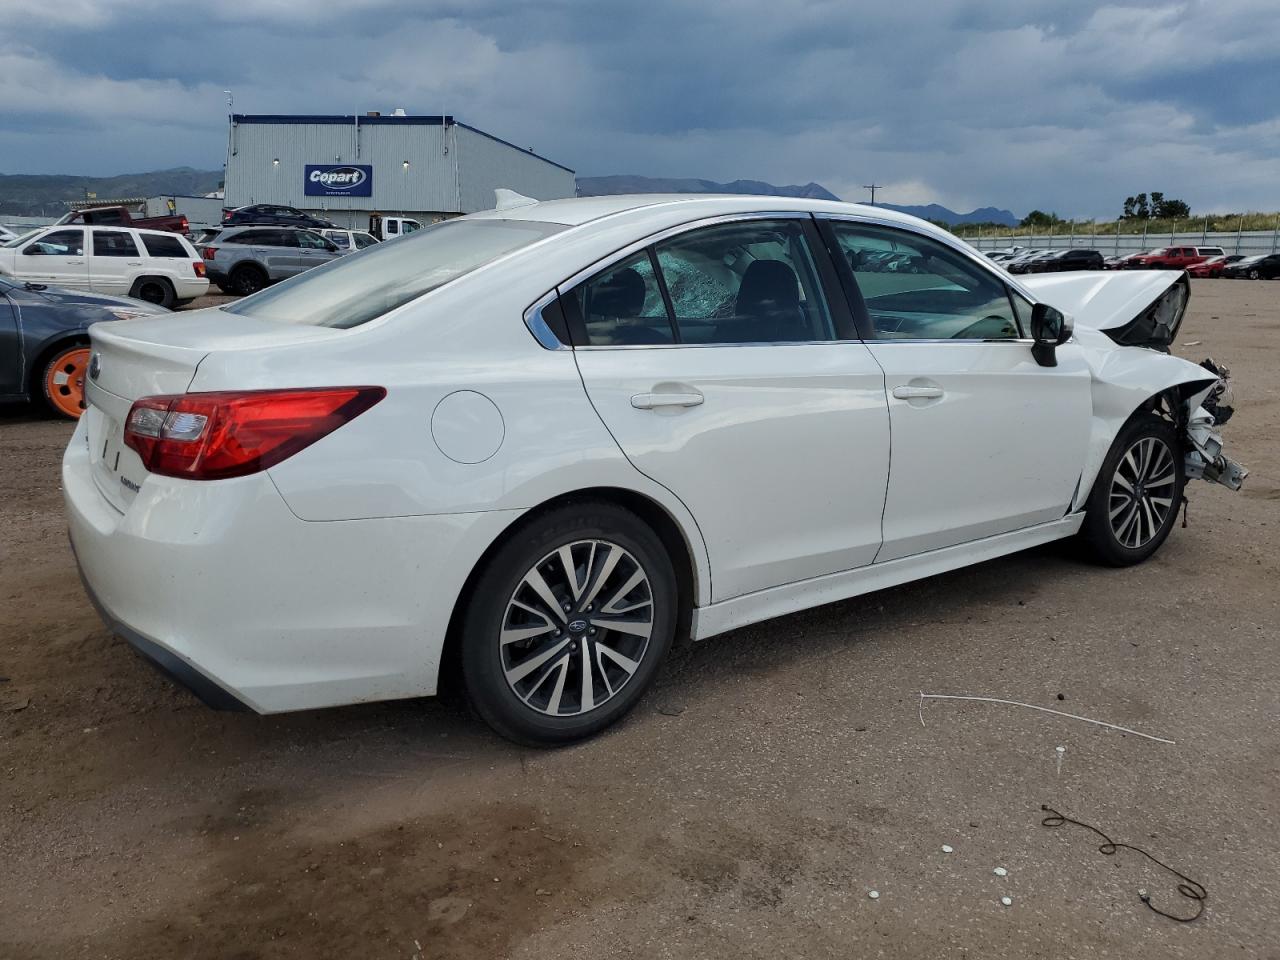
(113, 243)
(916, 288)
(363, 240)
(349, 291)
(59, 243)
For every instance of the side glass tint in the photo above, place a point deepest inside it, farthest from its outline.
(623, 305)
(918, 289)
(748, 282)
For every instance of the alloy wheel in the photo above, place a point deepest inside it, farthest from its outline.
(576, 628)
(1142, 490)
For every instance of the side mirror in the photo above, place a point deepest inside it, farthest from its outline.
(1049, 329)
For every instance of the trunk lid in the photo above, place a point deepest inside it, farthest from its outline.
(158, 355)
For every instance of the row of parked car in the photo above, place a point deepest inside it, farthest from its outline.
(1197, 261)
(105, 264)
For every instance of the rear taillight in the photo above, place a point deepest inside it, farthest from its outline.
(210, 252)
(184, 224)
(198, 267)
(212, 436)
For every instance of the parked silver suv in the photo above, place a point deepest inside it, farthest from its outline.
(243, 260)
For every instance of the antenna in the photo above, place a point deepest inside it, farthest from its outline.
(872, 187)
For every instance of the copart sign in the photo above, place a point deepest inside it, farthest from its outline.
(339, 180)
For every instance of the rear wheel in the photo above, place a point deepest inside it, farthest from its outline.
(1135, 498)
(63, 380)
(155, 290)
(247, 279)
(567, 625)
(1254, 275)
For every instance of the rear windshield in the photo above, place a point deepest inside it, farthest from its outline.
(362, 286)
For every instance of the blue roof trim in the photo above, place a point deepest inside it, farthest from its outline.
(351, 119)
(505, 143)
(333, 118)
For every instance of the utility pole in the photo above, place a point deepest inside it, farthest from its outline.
(872, 187)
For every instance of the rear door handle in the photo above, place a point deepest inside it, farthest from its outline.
(917, 393)
(651, 401)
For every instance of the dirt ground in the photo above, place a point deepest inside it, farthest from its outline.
(748, 806)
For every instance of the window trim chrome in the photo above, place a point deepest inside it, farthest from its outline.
(538, 325)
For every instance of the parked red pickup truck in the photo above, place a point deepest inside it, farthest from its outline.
(121, 217)
(1172, 258)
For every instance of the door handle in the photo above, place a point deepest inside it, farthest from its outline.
(917, 393)
(75, 263)
(651, 401)
(133, 263)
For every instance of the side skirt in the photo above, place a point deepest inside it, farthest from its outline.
(792, 597)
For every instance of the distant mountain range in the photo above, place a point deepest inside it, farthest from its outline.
(940, 214)
(606, 186)
(25, 194)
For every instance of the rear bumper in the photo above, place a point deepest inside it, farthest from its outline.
(226, 590)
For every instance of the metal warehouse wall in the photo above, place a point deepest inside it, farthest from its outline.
(484, 164)
(452, 168)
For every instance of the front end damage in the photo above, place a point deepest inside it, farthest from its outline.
(1205, 411)
(1125, 324)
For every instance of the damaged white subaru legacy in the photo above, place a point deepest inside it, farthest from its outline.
(527, 449)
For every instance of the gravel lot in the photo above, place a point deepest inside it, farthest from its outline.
(775, 777)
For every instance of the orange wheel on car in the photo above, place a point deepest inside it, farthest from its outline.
(64, 380)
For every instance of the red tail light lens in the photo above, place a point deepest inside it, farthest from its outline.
(210, 252)
(184, 224)
(213, 436)
(198, 266)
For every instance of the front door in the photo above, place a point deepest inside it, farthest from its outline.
(985, 440)
(717, 363)
(56, 258)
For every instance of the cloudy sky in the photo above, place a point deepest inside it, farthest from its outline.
(1012, 103)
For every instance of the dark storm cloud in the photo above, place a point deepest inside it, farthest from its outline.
(1020, 104)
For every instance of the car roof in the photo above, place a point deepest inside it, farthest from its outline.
(575, 211)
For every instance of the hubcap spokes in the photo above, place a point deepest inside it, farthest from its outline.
(1142, 492)
(576, 628)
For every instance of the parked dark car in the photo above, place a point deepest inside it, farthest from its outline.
(44, 346)
(243, 260)
(1034, 264)
(272, 214)
(1265, 267)
(1076, 259)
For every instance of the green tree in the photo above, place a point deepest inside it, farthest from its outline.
(1038, 218)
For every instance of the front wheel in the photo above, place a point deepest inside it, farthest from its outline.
(567, 625)
(1255, 275)
(1135, 499)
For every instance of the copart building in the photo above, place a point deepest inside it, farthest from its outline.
(348, 167)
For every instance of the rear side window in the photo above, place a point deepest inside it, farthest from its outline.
(113, 243)
(159, 245)
(247, 236)
(339, 239)
(364, 240)
(623, 305)
(355, 289)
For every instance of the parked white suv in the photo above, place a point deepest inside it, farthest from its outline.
(152, 265)
(348, 241)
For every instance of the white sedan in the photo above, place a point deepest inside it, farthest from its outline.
(543, 442)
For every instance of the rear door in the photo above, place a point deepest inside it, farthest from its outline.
(985, 440)
(114, 260)
(724, 373)
(56, 258)
(276, 249)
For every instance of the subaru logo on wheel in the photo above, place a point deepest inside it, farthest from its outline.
(577, 626)
(95, 366)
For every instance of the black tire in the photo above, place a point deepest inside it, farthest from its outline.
(492, 606)
(247, 279)
(157, 290)
(1124, 546)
